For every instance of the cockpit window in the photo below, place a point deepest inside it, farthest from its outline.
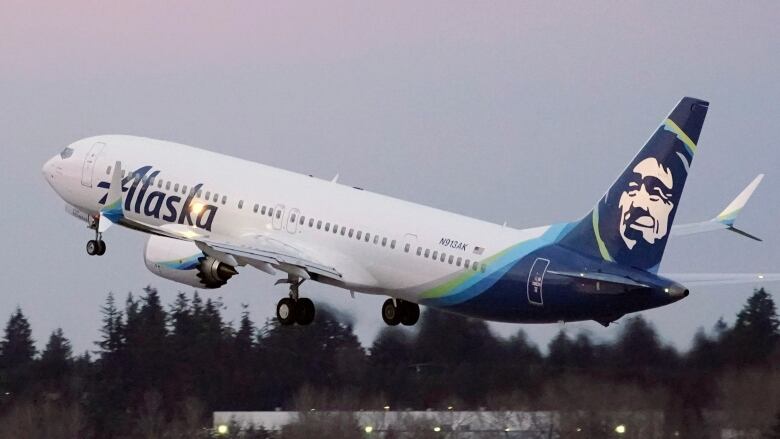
(67, 152)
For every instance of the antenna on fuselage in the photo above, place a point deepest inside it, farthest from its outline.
(335, 179)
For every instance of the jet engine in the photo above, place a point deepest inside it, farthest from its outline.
(183, 262)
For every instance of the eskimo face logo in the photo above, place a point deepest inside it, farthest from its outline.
(143, 198)
(646, 203)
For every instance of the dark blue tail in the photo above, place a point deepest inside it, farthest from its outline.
(631, 223)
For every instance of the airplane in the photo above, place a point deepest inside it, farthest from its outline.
(210, 214)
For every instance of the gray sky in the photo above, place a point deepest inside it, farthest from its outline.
(516, 111)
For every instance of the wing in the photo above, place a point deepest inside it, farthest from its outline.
(726, 218)
(263, 252)
(703, 279)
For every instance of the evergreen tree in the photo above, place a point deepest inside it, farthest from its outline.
(755, 334)
(112, 340)
(56, 358)
(17, 347)
(16, 354)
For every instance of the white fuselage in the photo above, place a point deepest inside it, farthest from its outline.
(303, 206)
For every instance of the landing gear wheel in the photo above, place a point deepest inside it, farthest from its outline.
(101, 248)
(285, 311)
(390, 313)
(410, 313)
(92, 247)
(304, 311)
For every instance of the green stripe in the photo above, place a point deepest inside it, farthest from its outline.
(602, 247)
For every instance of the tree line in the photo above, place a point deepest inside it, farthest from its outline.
(161, 370)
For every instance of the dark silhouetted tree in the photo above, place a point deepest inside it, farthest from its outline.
(17, 350)
(56, 359)
(755, 334)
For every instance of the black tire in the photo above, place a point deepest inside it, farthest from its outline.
(101, 248)
(304, 311)
(390, 313)
(410, 313)
(285, 311)
(92, 247)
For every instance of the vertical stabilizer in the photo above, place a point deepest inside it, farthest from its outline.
(631, 222)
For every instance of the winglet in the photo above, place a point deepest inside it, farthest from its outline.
(729, 215)
(112, 209)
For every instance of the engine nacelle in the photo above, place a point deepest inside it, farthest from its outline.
(183, 262)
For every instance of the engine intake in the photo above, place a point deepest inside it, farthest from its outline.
(183, 262)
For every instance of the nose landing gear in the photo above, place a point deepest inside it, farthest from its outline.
(96, 247)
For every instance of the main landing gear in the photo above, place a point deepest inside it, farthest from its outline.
(294, 309)
(395, 311)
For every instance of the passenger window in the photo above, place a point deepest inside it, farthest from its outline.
(482, 268)
(458, 261)
(303, 220)
(224, 199)
(343, 230)
(376, 239)
(392, 244)
(368, 237)
(359, 235)
(327, 227)
(184, 190)
(257, 206)
(466, 264)
(216, 197)
(208, 193)
(427, 252)
(271, 211)
(319, 224)
(474, 266)
(108, 170)
(176, 187)
(311, 222)
(450, 259)
(419, 251)
(159, 183)
(406, 248)
(240, 204)
(200, 193)
(384, 242)
(262, 211)
(278, 213)
(292, 218)
(168, 186)
(350, 232)
(435, 254)
(441, 258)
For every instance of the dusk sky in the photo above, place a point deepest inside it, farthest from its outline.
(522, 112)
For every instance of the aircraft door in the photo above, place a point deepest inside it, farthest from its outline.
(89, 163)
(292, 220)
(536, 281)
(278, 217)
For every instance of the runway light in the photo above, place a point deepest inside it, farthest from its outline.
(507, 429)
(387, 407)
(760, 276)
(666, 290)
(369, 429)
(222, 429)
(620, 429)
(449, 407)
(579, 429)
(437, 429)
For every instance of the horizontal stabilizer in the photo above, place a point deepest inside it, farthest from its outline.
(702, 279)
(725, 219)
